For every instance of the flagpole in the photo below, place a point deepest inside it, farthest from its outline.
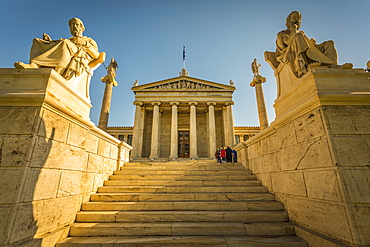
(183, 56)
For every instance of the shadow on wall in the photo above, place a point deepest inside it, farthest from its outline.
(27, 186)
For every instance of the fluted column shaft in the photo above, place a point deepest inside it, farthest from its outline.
(261, 106)
(230, 117)
(211, 128)
(174, 131)
(154, 149)
(105, 107)
(193, 130)
(136, 131)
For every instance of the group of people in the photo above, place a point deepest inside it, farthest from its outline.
(227, 154)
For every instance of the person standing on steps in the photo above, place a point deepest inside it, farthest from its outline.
(223, 154)
(218, 155)
(229, 152)
(235, 156)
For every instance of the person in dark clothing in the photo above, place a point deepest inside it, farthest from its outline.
(229, 156)
(235, 156)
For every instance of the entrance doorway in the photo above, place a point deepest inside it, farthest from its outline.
(184, 144)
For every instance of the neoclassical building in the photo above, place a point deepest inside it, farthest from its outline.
(182, 117)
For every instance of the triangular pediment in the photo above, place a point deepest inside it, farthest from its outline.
(183, 83)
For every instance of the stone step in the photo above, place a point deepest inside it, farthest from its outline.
(172, 183)
(182, 206)
(181, 172)
(179, 216)
(184, 241)
(165, 189)
(176, 163)
(182, 228)
(166, 197)
(187, 167)
(182, 177)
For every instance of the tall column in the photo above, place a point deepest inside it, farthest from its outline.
(261, 105)
(141, 132)
(193, 130)
(105, 106)
(136, 131)
(155, 129)
(174, 131)
(211, 128)
(225, 126)
(230, 118)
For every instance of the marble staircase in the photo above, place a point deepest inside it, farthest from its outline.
(187, 203)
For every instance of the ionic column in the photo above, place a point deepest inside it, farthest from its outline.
(174, 131)
(226, 126)
(136, 131)
(155, 129)
(230, 117)
(211, 128)
(193, 130)
(261, 105)
(141, 132)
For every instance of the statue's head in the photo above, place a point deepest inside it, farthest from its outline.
(76, 27)
(295, 18)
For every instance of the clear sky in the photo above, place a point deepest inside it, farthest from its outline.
(222, 39)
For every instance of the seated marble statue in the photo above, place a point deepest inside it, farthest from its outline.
(69, 57)
(294, 48)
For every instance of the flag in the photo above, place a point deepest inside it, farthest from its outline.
(183, 53)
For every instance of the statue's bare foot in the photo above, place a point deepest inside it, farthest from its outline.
(314, 64)
(347, 66)
(343, 66)
(21, 65)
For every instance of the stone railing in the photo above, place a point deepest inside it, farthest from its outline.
(315, 156)
(52, 157)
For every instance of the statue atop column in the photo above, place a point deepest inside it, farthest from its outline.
(111, 73)
(295, 49)
(257, 78)
(69, 57)
(256, 67)
(109, 81)
(257, 84)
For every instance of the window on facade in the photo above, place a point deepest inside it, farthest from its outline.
(129, 139)
(120, 137)
(246, 137)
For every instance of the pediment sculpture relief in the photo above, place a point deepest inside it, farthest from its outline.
(183, 84)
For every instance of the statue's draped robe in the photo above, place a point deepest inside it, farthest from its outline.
(301, 51)
(72, 59)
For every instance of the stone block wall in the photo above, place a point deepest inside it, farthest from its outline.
(316, 160)
(50, 162)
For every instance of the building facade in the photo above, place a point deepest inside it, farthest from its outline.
(182, 117)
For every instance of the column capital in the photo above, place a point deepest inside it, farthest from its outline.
(193, 102)
(229, 103)
(211, 103)
(174, 103)
(257, 80)
(140, 103)
(158, 103)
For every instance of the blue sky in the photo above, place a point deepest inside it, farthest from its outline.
(222, 39)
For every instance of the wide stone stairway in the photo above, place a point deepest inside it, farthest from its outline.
(188, 203)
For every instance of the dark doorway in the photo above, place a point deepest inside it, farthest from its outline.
(184, 144)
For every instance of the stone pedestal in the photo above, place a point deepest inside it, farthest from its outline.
(52, 156)
(315, 156)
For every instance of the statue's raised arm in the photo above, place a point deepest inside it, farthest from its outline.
(69, 57)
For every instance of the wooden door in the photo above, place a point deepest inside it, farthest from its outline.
(184, 144)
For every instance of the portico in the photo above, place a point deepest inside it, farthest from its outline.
(182, 117)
